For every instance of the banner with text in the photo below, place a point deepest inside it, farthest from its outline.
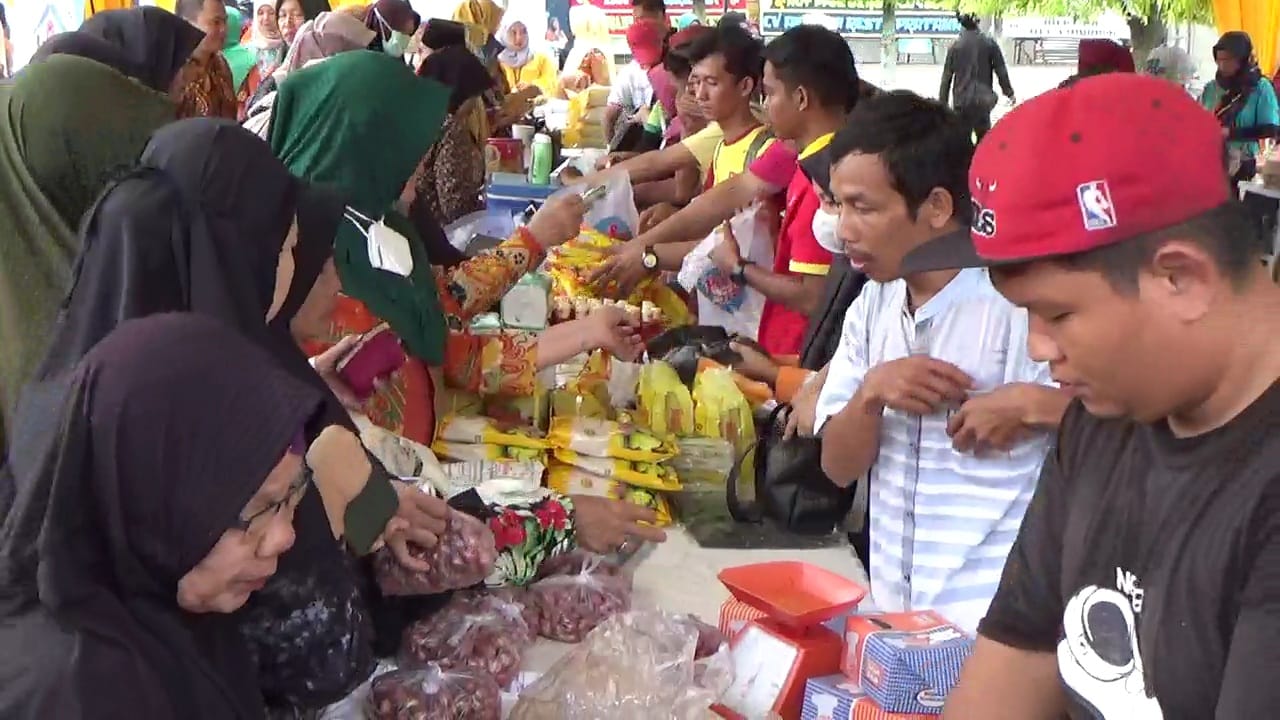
(856, 23)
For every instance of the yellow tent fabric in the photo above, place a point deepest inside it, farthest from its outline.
(1259, 18)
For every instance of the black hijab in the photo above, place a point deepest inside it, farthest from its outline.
(458, 68)
(198, 227)
(87, 46)
(169, 426)
(440, 34)
(1238, 45)
(154, 43)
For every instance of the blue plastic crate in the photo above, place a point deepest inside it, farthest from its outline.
(514, 199)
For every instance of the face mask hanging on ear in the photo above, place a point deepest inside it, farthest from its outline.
(395, 43)
(826, 231)
(388, 249)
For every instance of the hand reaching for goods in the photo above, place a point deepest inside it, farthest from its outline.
(558, 220)
(602, 525)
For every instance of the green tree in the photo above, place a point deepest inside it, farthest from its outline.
(1148, 19)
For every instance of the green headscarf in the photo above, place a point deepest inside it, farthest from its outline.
(55, 159)
(239, 58)
(361, 121)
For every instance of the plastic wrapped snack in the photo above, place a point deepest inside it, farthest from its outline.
(473, 631)
(572, 563)
(569, 480)
(431, 693)
(570, 606)
(467, 452)
(463, 557)
(636, 666)
(603, 438)
(664, 403)
(477, 430)
(654, 476)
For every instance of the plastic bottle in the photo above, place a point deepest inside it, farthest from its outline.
(541, 160)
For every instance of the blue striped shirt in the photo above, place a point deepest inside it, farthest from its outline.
(942, 522)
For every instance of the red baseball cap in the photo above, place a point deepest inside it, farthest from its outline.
(1104, 160)
(645, 40)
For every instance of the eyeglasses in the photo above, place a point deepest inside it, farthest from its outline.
(290, 500)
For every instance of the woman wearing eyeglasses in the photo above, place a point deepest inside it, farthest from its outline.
(162, 502)
(211, 223)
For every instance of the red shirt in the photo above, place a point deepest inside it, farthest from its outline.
(797, 253)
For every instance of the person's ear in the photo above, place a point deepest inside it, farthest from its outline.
(747, 87)
(1184, 278)
(802, 98)
(938, 208)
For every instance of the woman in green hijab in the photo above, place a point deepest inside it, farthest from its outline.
(55, 159)
(362, 121)
(240, 58)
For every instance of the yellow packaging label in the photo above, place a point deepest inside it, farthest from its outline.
(606, 439)
(477, 429)
(645, 475)
(568, 480)
(663, 402)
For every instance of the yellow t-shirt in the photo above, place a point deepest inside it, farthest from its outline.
(702, 145)
(732, 158)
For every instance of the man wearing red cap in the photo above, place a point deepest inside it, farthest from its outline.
(1145, 580)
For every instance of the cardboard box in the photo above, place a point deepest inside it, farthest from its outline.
(906, 662)
(836, 697)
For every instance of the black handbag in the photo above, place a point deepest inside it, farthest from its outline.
(791, 490)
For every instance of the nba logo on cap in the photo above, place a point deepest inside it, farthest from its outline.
(1095, 205)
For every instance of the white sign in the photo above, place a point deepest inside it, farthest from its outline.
(1109, 26)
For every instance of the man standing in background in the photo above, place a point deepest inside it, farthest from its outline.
(966, 77)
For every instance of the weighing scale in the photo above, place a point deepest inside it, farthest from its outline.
(775, 655)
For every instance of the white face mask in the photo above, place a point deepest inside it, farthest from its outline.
(826, 231)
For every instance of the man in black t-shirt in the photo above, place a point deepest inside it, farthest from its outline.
(1145, 581)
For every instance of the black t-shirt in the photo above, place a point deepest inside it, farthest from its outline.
(1147, 561)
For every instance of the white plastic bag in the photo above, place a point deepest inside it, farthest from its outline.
(635, 666)
(615, 214)
(721, 301)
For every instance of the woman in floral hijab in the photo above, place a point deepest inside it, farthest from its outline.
(269, 50)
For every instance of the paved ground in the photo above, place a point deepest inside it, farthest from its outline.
(1028, 80)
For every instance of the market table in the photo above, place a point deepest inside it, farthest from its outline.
(680, 576)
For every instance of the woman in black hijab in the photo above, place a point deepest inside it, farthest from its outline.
(1243, 101)
(165, 499)
(205, 225)
(152, 45)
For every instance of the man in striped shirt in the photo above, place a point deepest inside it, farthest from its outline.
(931, 393)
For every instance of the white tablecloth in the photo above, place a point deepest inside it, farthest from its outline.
(680, 576)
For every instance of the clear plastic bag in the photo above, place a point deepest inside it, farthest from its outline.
(464, 556)
(474, 631)
(572, 605)
(430, 693)
(352, 707)
(635, 666)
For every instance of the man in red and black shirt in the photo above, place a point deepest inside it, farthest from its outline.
(1145, 580)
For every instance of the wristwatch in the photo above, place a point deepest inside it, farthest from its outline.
(739, 274)
(649, 259)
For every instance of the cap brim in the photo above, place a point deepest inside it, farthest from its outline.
(953, 251)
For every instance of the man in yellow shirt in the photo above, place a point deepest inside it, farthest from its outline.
(727, 64)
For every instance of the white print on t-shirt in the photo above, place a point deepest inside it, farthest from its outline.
(1098, 657)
